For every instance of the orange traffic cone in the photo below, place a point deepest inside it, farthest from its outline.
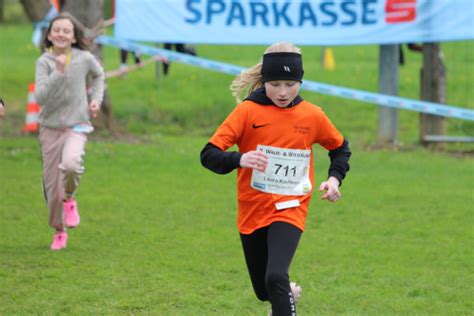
(32, 112)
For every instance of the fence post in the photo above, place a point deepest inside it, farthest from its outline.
(387, 132)
(433, 89)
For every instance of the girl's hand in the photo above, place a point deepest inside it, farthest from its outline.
(330, 189)
(94, 108)
(254, 159)
(61, 63)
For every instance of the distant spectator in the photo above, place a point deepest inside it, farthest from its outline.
(412, 47)
(180, 48)
(123, 60)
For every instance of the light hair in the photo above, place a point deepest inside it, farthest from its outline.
(250, 79)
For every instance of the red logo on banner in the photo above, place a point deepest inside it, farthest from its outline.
(398, 11)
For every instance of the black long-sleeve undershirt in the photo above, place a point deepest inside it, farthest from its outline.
(219, 161)
(223, 162)
(339, 161)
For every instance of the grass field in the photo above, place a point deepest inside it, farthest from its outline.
(158, 237)
(158, 233)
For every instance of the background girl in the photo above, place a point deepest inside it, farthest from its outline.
(61, 74)
(275, 129)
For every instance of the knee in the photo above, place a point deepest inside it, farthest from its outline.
(261, 294)
(72, 164)
(276, 280)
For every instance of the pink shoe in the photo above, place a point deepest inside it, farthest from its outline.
(71, 215)
(59, 241)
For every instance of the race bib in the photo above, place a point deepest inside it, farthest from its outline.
(287, 171)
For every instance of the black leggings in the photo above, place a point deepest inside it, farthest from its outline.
(124, 55)
(179, 48)
(268, 253)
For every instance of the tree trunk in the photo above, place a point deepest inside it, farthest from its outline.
(1, 11)
(433, 89)
(36, 10)
(90, 14)
(389, 78)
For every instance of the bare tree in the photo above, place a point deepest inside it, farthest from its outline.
(36, 10)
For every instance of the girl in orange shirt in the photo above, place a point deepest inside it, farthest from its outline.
(274, 129)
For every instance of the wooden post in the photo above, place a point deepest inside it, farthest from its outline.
(388, 84)
(433, 89)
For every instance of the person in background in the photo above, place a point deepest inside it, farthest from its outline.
(180, 48)
(123, 60)
(61, 73)
(275, 129)
(412, 47)
(2, 108)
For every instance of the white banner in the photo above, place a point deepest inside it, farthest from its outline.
(303, 22)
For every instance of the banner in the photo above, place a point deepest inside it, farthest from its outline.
(302, 22)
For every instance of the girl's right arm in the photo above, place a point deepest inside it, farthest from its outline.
(219, 161)
(46, 81)
(214, 156)
(223, 162)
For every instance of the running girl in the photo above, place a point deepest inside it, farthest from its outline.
(61, 73)
(275, 129)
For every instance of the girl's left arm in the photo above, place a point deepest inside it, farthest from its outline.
(339, 161)
(339, 153)
(337, 171)
(97, 82)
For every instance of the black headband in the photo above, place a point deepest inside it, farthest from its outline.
(282, 66)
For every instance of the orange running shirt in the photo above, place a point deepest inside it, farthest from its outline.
(251, 124)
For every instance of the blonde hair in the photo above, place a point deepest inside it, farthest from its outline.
(250, 79)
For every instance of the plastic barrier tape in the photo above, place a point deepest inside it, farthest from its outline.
(347, 93)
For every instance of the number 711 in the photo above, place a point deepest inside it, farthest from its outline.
(286, 169)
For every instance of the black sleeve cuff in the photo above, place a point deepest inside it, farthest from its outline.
(219, 161)
(339, 161)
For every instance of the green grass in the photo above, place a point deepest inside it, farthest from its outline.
(158, 233)
(158, 236)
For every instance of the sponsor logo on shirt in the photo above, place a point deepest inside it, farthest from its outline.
(301, 129)
(258, 126)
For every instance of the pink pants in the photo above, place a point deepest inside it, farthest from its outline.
(62, 151)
